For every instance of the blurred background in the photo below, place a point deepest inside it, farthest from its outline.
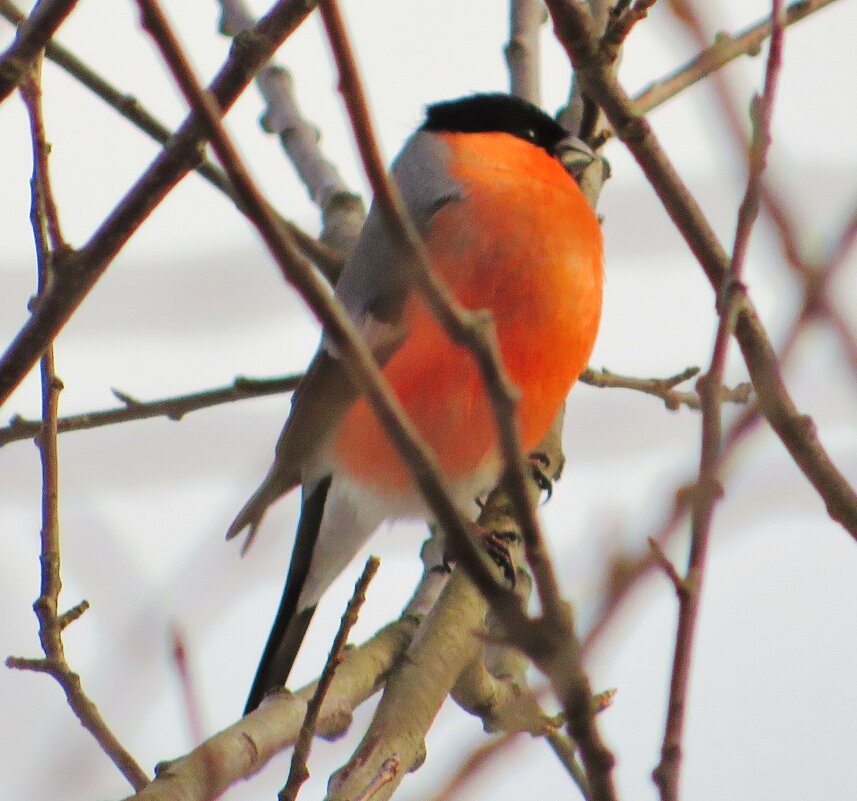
(193, 300)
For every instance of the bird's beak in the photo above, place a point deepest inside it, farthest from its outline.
(575, 155)
(586, 167)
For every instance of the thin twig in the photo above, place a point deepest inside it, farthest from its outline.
(173, 408)
(298, 772)
(188, 687)
(733, 294)
(51, 624)
(664, 388)
(725, 48)
(244, 388)
(29, 42)
(80, 270)
(796, 431)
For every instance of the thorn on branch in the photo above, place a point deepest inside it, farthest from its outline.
(124, 397)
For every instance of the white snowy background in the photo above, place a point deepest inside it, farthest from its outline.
(193, 300)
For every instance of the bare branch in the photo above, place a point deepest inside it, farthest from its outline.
(173, 408)
(557, 653)
(523, 51)
(733, 294)
(342, 209)
(623, 17)
(79, 270)
(16, 62)
(245, 388)
(245, 748)
(796, 431)
(664, 388)
(725, 48)
(46, 229)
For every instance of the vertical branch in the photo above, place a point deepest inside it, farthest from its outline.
(48, 240)
(667, 774)
(523, 51)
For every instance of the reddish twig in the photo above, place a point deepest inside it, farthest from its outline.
(189, 694)
(298, 772)
(666, 775)
(48, 241)
(796, 431)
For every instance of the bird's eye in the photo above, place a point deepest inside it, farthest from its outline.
(529, 134)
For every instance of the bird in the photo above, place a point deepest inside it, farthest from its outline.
(486, 182)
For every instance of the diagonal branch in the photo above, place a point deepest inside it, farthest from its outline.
(328, 259)
(78, 271)
(725, 48)
(796, 431)
(298, 772)
(30, 40)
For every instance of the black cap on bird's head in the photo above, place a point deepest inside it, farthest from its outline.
(496, 113)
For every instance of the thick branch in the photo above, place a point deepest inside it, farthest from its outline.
(523, 51)
(246, 747)
(16, 62)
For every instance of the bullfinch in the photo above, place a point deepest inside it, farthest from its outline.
(507, 228)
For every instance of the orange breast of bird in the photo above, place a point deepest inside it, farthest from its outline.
(524, 244)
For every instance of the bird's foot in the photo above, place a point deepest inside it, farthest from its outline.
(499, 546)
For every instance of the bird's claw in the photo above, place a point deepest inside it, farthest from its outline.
(497, 544)
(538, 464)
